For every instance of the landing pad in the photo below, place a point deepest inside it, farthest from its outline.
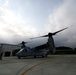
(52, 65)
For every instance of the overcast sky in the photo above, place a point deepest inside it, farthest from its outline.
(23, 19)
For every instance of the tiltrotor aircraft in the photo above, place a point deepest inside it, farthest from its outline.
(26, 51)
(50, 39)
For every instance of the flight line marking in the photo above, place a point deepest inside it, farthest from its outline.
(31, 68)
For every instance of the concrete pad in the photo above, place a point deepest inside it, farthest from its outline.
(52, 65)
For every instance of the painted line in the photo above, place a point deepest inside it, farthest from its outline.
(31, 68)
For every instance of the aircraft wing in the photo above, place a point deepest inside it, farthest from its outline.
(43, 46)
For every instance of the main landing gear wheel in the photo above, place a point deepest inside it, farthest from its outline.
(19, 57)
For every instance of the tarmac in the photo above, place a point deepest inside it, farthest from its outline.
(51, 65)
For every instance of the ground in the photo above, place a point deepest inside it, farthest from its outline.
(51, 65)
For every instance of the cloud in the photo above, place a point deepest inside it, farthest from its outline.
(13, 28)
(16, 27)
(62, 17)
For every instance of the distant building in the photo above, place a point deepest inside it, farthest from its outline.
(8, 48)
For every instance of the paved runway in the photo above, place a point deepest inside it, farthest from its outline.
(52, 65)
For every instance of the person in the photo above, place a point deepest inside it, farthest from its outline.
(1, 52)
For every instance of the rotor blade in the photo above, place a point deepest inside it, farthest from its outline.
(21, 43)
(59, 31)
(24, 42)
(39, 37)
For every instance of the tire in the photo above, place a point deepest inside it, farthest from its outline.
(19, 57)
(1, 56)
(34, 56)
(46, 55)
(42, 56)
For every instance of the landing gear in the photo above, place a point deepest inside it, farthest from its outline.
(1, 56)
(35, 56)
(19, 57)
(44, 56)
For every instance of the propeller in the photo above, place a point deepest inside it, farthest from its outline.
(23, 42)
(59, 31)
(51, 34)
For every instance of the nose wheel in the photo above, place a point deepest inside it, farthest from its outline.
(19, 57)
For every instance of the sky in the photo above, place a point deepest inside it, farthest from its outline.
(21, 20)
